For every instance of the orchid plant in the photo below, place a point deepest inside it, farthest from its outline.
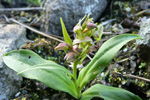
(28, 64)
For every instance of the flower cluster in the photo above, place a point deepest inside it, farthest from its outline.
(83, 43)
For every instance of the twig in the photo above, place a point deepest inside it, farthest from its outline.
(108, 21)
(111, 4)
(108, 33)
(21, 9)
(36, 31)
(133, 76)
(123, 60)
(141, 12)
(36, 20)
(6, 18)
(88, 56)
(91, 53)
(43, 2)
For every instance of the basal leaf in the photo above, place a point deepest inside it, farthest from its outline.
(30, 65)
(65, 33)
(108, 93)
(102, 58)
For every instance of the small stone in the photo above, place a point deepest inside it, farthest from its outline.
(45, 99)
(24, 92)
(125, 50)
(132, 64)
(17, 94)
(132, 57)
(117, 65)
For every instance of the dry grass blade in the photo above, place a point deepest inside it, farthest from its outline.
(36, 31)
(20, 9)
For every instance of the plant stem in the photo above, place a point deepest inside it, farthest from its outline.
(78, 92)
(75, 69)
(75, 63)
(98, 43)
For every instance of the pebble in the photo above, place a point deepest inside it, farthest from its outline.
(132, 64)
(24, 92)
(132, 57)
(17, 94)
(117, 65)
(45, 99)
(125, 50)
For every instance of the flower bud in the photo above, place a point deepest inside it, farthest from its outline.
(91, 25)
(86, 39)
(85, 30)
(70, 56)
(91, 49)
(76, 28)
(76, 48)
(63, 46)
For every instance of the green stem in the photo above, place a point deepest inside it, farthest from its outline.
(75, 69)
(78, 92)
(75, 63)
(98, 42)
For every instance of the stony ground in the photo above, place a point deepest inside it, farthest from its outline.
(127, 70)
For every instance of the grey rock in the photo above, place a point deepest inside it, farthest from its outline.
(142, 4)
(14, 3)
(143, 45)
(11, 38)
(70, 11)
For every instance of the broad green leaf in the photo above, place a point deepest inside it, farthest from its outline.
(30, 65)
(65, 33)
(108, 93)
(102, 58)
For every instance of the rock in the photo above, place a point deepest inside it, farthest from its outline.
(143, 4)
(70, 11)
(14, 3)
(11, 38)
(143, 45)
